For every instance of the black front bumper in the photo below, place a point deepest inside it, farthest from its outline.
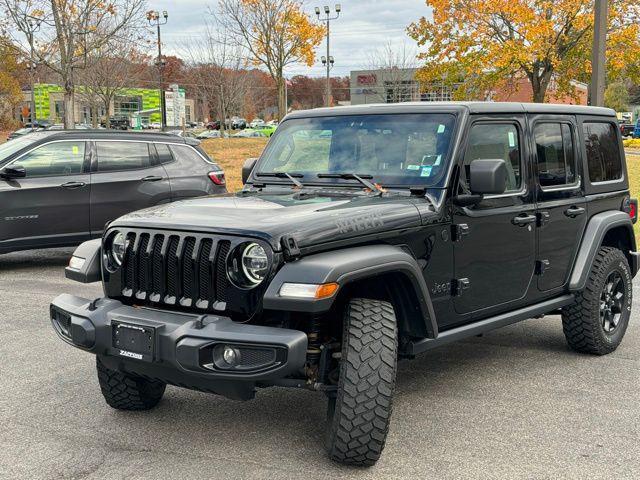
(181, 349)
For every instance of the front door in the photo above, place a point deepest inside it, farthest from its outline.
(50, 206)
(125, 178)
(494, 249)
(561, 205)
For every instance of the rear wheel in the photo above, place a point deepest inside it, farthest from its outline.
(124, 391)
(596, 322)
(359, 415)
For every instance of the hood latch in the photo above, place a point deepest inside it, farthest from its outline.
(290, 247)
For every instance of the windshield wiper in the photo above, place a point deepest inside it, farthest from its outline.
(290, 176)
(352, 176)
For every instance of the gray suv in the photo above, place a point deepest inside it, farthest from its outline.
(62, 188)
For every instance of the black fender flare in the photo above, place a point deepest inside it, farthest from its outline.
(592, 238)
(89, 270)
(343, 267)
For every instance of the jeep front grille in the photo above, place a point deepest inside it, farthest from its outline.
(176, 269)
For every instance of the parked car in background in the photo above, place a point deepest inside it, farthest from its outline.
(155, 125)
(626, 129)
(24, 131)
(266, 129)
(256, 122)
(211, 134)
(272, 122)
(181, 133)
(213, 125)
(249, 133)
(636, 130)
(61, 188)
(237, 123)
(116, 123)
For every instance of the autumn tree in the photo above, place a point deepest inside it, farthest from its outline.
(616, 96)
(10, 91)
(478, 45)
(110, 71)
(276, 33)
(68, 32)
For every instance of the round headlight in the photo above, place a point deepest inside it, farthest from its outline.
(255, 263)
(118, 248)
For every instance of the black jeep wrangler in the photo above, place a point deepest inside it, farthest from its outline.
(364, 235)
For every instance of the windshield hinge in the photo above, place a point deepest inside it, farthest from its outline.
(418, 191)
(290, 247)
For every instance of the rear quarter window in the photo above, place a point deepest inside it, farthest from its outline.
(603, 152)
(187, 154)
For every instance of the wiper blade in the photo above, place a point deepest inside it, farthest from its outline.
(290, 176)
(352, 176)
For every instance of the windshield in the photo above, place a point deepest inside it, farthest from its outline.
(12, 146)
(399, 149)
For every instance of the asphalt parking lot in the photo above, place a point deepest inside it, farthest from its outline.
(515, 403)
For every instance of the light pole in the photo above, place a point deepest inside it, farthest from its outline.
(156, 20)
(598, 57)
(30, 25)
(328, 60)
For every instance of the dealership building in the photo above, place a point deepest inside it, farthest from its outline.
(393, 85)
(130, 103)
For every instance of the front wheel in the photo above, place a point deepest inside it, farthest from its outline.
(596, 322)
(359, 415)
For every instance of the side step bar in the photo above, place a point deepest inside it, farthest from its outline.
(482, 326)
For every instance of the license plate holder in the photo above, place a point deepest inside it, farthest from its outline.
(133, 340)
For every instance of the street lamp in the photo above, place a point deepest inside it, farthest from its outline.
(30, 25)
(156, 19)
(329, 64)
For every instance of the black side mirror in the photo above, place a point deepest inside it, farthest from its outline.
(15, 171)
(488, 177)
(249, 163)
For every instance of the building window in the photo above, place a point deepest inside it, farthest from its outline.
(124, 106)
(401, 91)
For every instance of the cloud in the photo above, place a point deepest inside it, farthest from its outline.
(363, 27)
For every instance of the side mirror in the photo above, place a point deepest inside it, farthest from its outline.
(16, 171)
(487, 177)
(249, 163)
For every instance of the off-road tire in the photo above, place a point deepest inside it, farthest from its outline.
(359, 415)
(123, 391)
(581, 320)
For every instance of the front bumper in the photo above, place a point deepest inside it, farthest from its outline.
(181, 347)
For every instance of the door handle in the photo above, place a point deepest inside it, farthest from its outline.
(573, 212)
(72, 185)
(524, 219)
(151, 178)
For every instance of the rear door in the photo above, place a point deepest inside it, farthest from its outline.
(50, 206)
(124, 178)
(561, 206)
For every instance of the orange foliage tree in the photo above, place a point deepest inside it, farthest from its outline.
(479, 45)
(276, 33)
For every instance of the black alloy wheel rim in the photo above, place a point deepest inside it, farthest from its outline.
(612, 302)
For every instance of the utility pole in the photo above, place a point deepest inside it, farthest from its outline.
(598, 57)
(328, 60)
(30, 25)
(154, 19)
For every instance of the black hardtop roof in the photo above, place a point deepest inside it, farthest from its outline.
(471, 107)
(113, 135)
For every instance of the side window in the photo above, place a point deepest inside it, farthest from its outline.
(185, 153)
(603, 151)
(58, 158)
(116, 156)
(164, 154)
(556, 155)
(494, 141)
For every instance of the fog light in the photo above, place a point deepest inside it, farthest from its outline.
(230, 355)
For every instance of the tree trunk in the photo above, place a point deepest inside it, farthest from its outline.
(282, 107)
(69, 113)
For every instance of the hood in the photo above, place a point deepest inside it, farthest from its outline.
(309, 220)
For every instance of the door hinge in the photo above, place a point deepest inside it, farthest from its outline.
(290, 247)
(542, 266)
(543, 218)
(459, 285)
(458, 231)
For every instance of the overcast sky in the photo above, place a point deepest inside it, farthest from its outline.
(363, 27)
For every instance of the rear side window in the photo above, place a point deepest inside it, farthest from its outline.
(186, 153)
(115, 156)
(603, 152)
(556, 156)
(53, 159)
(495, 141)
(164, 154)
